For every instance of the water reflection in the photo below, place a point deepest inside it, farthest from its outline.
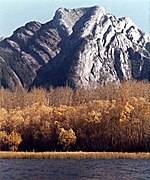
(88, 169)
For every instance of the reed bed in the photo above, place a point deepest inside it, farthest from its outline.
(73, 155)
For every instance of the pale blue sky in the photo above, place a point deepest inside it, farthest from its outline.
(15, 13)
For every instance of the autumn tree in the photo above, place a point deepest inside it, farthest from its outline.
(67, 138)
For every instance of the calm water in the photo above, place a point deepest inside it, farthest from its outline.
(41, 169)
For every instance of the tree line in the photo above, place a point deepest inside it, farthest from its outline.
(110, 118)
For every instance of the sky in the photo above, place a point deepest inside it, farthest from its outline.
(16, 13)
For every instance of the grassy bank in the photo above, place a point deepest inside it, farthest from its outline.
(73, 155)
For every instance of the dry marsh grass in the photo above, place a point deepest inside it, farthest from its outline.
(73, 155)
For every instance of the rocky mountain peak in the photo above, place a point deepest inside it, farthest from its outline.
(78, 47)
(66, 19)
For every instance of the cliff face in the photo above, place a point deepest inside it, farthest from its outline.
(79, 47)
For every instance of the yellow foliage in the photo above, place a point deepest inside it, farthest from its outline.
(14, 139)
(3, 140)
(9, 141)
(66, 138)
(120, 121)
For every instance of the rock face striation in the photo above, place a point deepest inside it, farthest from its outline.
(78, 47)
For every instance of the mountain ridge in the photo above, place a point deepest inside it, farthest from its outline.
(79, 47)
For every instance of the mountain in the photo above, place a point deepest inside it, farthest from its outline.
(78, 47)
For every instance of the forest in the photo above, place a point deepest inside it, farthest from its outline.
(111, 118)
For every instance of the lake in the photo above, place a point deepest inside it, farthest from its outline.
(71, 169)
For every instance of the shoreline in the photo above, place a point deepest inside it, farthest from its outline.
(73, 155)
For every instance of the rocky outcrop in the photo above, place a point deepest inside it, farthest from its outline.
(79, 47)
